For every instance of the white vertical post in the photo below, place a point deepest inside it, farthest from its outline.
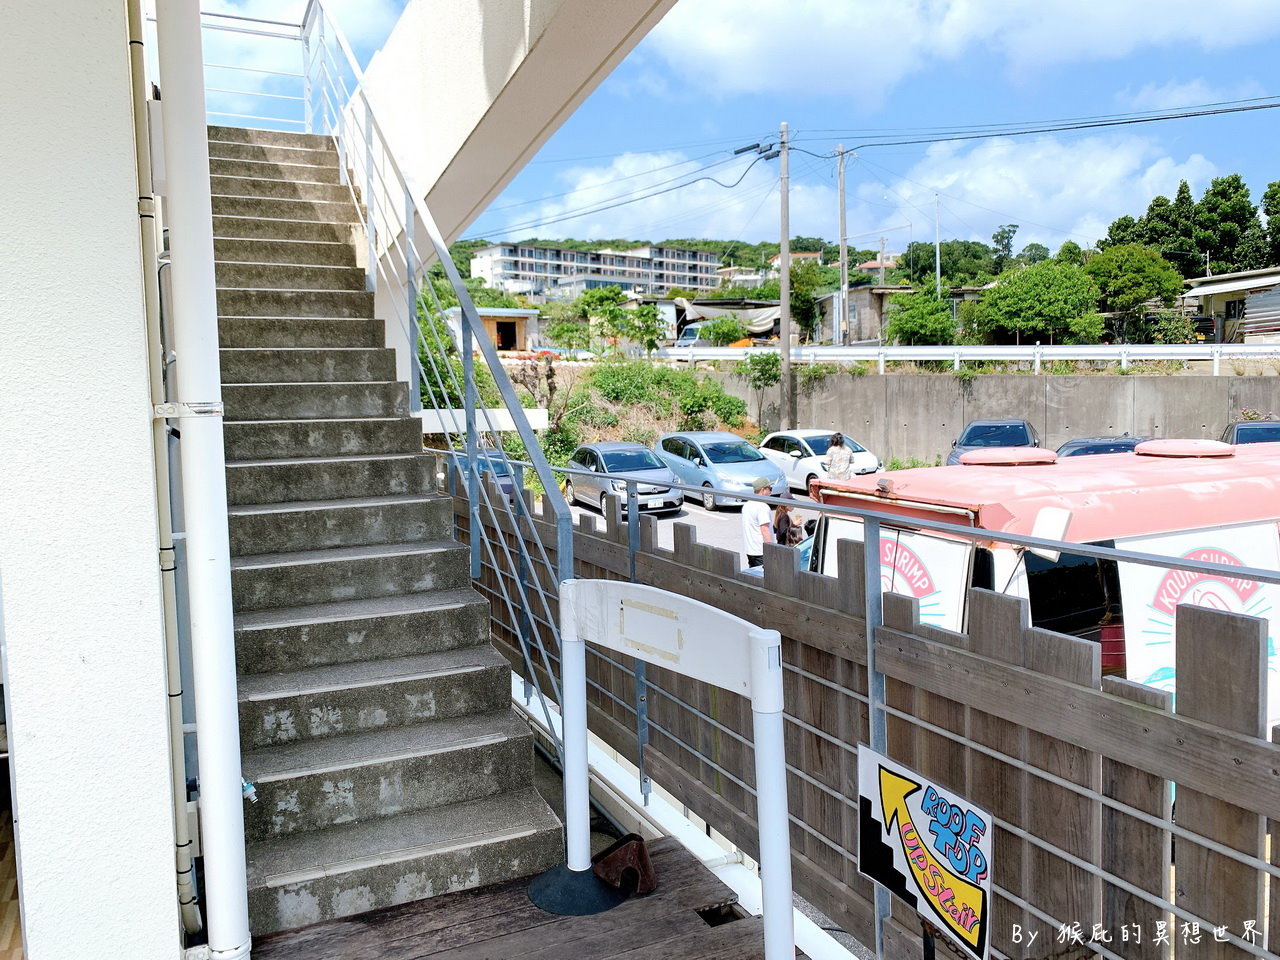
(189, 213)
(771, 795)
(577, 795)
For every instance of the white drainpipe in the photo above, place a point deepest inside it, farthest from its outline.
(198, 409)
(191, 921)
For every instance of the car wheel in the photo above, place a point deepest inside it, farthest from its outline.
(708, 498)
(809, 480)
(604, 503)
(568, 492)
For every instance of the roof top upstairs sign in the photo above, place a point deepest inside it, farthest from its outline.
(930, 847)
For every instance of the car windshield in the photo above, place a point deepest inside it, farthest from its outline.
(624, 460)
(495, 466)
(1257, 432)
(1116, 446)
(728, 451)
(820, 445)
(995, 435)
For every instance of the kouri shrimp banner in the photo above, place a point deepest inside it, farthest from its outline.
(1152, 595)
(929, 846)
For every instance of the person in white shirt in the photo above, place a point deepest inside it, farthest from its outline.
(757, 523)
(839, 458)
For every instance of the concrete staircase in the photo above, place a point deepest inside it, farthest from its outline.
(375, 716)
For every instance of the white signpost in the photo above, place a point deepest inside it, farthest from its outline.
(699, 641)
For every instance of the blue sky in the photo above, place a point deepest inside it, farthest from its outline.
(717, 74)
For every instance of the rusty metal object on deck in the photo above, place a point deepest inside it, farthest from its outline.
(625, 864)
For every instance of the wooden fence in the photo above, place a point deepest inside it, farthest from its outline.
(1080, 771)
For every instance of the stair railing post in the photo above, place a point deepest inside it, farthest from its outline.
(642, 668)
(197, 407)
(473, 464)
(371, 271)
(411, 261)
(875, 683)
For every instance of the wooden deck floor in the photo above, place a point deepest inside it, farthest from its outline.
(499, 923)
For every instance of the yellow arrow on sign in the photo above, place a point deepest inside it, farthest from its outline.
(959, 903)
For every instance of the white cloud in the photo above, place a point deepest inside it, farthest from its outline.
(868, 47)
(1176, 94)
(749, 210)
(1055, 189)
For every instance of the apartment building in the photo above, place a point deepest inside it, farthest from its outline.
(560, 273)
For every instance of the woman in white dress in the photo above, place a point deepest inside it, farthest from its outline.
(839, 458)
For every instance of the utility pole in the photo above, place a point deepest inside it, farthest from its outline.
(882, 242)
(784, 282)
(843, 333)
(937, 250)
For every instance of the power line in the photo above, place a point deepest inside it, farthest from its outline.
(584, 212)
(1058, 126)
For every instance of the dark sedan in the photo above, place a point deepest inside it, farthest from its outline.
(1084, 446)
(1252, 431)
(979, 434)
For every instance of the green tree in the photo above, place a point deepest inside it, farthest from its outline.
(920, 318)
(1271, 207)
(1123, 230)
(807, 279)
(1253, 251)
(1070, 252)
(1002, 241)
(761, 371)
(723, 331)
(963, 262)
(1048, 301)
(1222, 217)
(1033, 253)
(1129, 275)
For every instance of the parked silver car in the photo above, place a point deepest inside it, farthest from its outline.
(711, 458)
(609, 464)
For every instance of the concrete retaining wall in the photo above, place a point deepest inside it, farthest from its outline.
(918, 415)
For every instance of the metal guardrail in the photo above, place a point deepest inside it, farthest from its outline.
(1037, 355)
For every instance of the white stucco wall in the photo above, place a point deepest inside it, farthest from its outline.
(79, 593)
(468, 90)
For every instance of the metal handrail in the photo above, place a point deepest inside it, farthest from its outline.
(395, 217)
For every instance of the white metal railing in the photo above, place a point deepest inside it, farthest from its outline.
(402, 240)
(1036, 354)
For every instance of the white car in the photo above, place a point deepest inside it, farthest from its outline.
(802, 455)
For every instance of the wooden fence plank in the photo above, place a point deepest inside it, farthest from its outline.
(1175, 747)
(1222, 679)
(1132, 850)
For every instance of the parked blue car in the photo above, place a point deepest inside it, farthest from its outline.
(713, 459)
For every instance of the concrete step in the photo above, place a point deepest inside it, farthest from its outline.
(301, 401)
(280, 208)
(330, 701)
(277, 170)
(288, 276)
(346, 573)
(266, 481)
(349, 869)
(310, 332)
(273, 138)
(291, 156)
(253, 227)
(308, 252)
(306, 365)
(315, 784)
(320, 524)
(268, 188)
(277, 439)
(349, 631)
(249, 302)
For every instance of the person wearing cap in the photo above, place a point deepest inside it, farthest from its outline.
(757, 523)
